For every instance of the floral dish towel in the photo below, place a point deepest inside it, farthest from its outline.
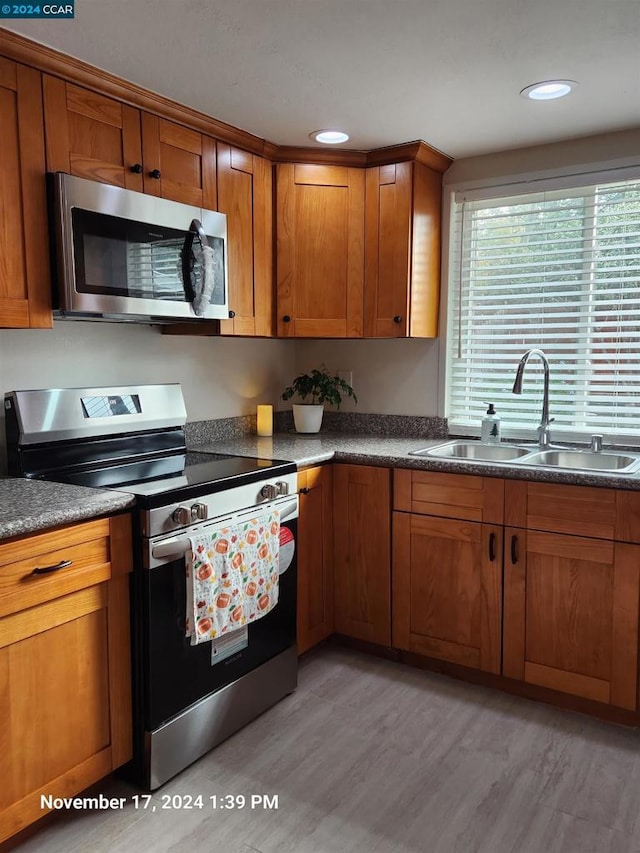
(232, 576)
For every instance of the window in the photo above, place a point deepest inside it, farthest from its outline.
(555, 270)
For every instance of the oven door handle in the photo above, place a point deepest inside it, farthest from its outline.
(177, 547)
(170, 548)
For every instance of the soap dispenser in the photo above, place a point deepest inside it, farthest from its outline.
(491, 426)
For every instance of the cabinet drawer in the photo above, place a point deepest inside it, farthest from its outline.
(575, 510)
(87, 546)
(449, 495)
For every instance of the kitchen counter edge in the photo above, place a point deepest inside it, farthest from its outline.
(30, 506)
(394, 452)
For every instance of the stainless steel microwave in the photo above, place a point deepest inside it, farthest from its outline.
(123, 255)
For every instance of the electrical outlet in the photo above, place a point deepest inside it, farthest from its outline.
(347, 375)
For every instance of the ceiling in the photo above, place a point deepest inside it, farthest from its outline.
(386, 71)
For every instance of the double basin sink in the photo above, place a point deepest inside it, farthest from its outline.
(514, 454)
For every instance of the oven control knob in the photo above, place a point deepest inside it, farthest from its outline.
(270, 492)
(181, 515)
(282, 487)
(199, 512)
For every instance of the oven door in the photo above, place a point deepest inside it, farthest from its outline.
(122, 253)
(176, 674)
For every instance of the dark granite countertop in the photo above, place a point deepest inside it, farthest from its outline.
(27, 506)
(393, 452)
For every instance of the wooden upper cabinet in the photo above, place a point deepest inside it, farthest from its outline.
(402, 251)
(25, 299)
(92, 136)
(571, 614)
(320, 250)
(245, 188)
(179, 163)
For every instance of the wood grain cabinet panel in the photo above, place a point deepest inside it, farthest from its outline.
(461, 496)
(25, 299)
(315, 557)
(179, 163)
(65, 700)
(245, 188)
(402, 251)
(92, 136)
(447, 589)
(362, 552)
(571, 614)
(320, 250)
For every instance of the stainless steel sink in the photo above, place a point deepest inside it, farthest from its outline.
(584, 460)
(464, 450)
(473, 450)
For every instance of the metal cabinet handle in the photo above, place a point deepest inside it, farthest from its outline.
(136, 168)
(304, 490)
(492, 547)
(514, 550)
(286, 319)
(232, 314)
(46, 570)
(397, 319)
(155, 173)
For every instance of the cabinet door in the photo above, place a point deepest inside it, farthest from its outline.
(245, 195)
(315, 558)
(387, 250)
(320, 250)
(402, 251)
(179, 164)
(447, 586)
(571, 614)
(92, 136)
(362, 552)
(65, 701)
(24, 260)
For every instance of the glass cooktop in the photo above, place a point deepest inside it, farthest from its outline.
(174, 476)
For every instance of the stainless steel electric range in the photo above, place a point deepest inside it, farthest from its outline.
(186, 698)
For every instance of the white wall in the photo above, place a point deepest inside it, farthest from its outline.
(220, 377)
(568, 157)
(394, 377)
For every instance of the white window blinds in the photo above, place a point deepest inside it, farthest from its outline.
(555, 270)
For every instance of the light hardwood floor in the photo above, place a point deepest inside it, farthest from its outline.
(370, 756)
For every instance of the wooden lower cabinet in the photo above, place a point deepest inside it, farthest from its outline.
(571, 614)
(65, 681)
(447, 589)
(362, 552)
(315, 558)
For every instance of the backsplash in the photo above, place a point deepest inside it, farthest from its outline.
(205, 432)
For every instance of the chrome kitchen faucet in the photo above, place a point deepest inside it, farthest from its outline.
(544, 434)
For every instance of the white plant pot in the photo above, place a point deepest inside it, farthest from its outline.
(307, 417)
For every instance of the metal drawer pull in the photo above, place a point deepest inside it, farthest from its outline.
(514, 550)
(46, 570)
(304, 490)
(492, 547)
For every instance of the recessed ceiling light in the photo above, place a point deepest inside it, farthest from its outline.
(548, 90)
(329, 137)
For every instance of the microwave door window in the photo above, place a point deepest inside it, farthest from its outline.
(117, 257)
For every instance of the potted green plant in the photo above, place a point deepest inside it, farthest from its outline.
(318, 387)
